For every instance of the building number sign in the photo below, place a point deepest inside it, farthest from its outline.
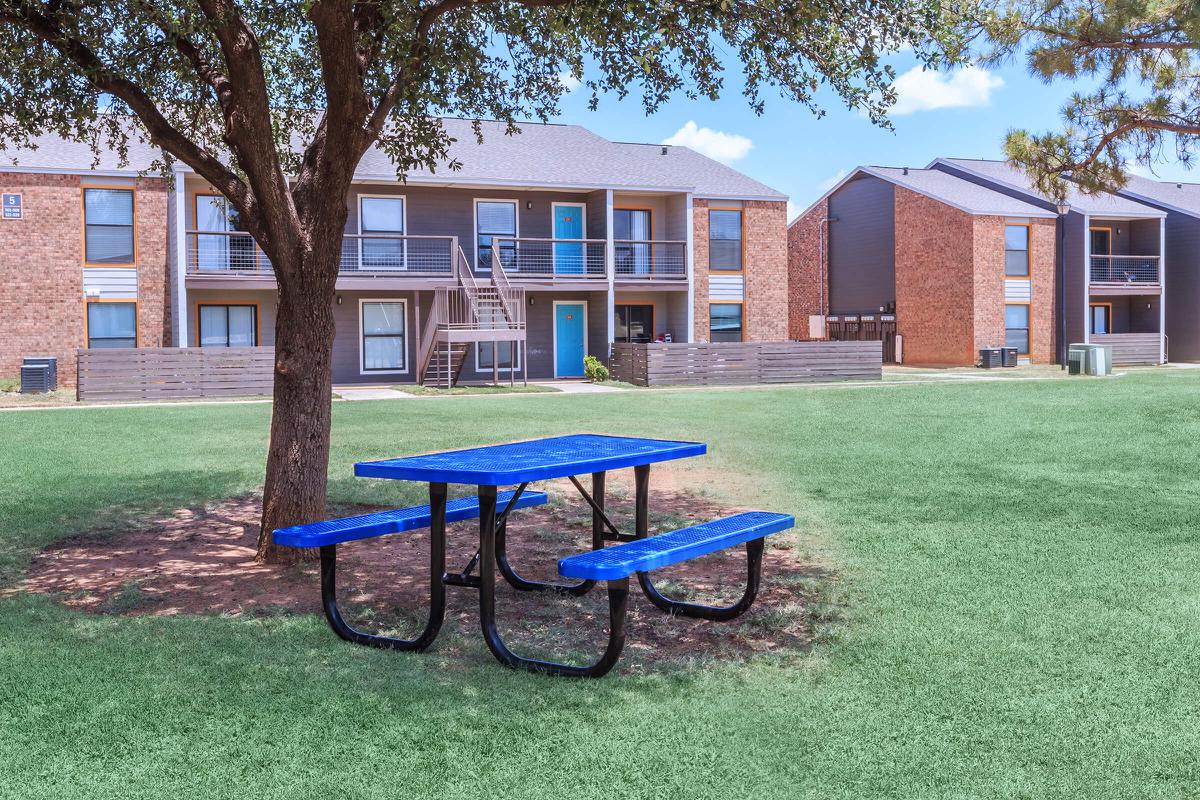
(12, 206)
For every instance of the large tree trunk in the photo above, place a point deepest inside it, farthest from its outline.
(298, 459)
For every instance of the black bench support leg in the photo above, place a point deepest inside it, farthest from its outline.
(524, 584)
(437, 589)
(618, 597)
(754, 554)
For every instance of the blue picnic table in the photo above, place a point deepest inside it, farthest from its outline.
(520, 464)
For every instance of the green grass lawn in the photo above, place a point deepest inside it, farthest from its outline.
(503, 388)
(1021, 561)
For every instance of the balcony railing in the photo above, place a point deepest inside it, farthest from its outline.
(236, 252)
(1125, 270)
(548, 258)
(650, 260)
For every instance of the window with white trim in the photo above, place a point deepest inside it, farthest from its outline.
(384, 335)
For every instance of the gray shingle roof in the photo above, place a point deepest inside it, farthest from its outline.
(541, 155)
(1103, 204)
(1184, 197)
(962, 194)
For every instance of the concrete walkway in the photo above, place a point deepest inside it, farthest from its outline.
(371, 393)
(579, 387)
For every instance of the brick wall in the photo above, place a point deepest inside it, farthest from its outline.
(935, 282)
(154, 308)
(765, 299)
(988, 248)
(41, 270)
(41, 280)
(700, 269)
(805, 276)
(764, 228)
(1044, 272)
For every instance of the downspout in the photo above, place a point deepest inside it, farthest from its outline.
(1063, 210)
(821, 236)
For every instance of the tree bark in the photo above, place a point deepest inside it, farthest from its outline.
(298, 457)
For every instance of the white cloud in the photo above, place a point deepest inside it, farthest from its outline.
(724, 147)
(832, 181)
(569, 81)
(925, 90)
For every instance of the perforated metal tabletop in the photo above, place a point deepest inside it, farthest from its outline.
(536, 460)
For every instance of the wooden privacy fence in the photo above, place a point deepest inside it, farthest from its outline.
(166, 373)
(659, 364)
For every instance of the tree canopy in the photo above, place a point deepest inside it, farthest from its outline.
(1139, 57)
(274, 103)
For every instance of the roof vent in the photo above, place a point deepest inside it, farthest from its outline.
(664, 150)
(1179, 186)
(906, 170)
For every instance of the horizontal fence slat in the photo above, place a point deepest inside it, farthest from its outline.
(699, 364)
(175, 373)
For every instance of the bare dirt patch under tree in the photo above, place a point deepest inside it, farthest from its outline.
(201, 561)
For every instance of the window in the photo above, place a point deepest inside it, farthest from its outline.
(108, 226)
(111, 325)
(1101, 241)
(725, 240)
(634, 323)
(383, 336)
(1016, 251)
(1016, 328)
(381, 216)
(228, 326)
(725, 322)
(1100, 318)
(220, 250)
(632, 225)
(495, 218)
(484, 351)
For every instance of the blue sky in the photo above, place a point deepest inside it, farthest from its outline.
(963, 114)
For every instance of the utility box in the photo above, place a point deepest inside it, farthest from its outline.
(991, 358)
(1099, 359)
(1077, 355)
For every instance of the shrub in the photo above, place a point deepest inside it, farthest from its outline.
(594, 369)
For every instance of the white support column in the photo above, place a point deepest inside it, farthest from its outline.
(690, 227)
(1087, 279)
(180, 328)
(610, 268)
(1162, 290)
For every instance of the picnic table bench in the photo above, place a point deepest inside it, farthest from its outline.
(519, 464)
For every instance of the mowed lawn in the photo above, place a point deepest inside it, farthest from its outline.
(1020, 562)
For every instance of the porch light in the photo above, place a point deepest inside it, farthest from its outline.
(1063, 209)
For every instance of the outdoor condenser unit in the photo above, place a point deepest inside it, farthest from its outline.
(990, 358)
(1008, 356)
(47, 361)
(35, 379)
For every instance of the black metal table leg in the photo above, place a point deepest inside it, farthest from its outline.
(618, 596)
(754, 553)
(524, 584)
(437, 589)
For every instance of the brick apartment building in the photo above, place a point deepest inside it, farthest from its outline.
(605, 242)
(966, 255)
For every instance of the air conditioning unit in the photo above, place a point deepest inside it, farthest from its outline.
(46, 361)
(991, 358)
(1008, 356)
(35, 379)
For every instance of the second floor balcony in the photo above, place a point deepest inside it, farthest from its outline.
(1125, 271)
(237, 255)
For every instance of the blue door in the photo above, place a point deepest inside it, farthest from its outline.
(568, 224)
(569, 330)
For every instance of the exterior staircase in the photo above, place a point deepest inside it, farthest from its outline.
(464, 315)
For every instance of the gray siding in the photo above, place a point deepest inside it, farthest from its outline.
(1183, 287)
(1076, 276)
(264, 299)
(451, 212)
(1137, 237)
(862, 246)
